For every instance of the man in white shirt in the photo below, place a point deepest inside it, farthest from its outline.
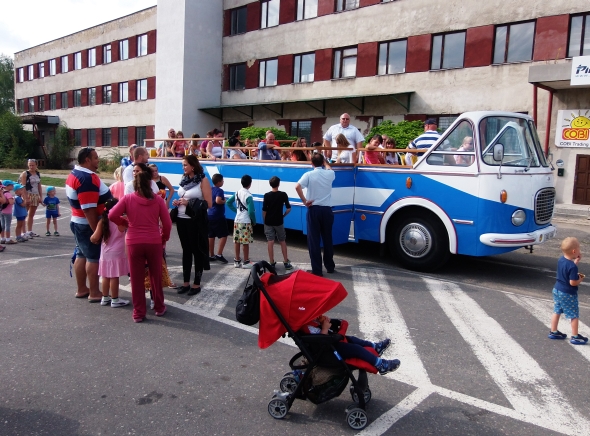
(353, 135)
(140, 155)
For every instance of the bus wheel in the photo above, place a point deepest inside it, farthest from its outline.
(420, 242)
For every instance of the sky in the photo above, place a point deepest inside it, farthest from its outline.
(33, 22)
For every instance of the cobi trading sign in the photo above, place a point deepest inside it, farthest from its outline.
(580, 71)
(573, 128)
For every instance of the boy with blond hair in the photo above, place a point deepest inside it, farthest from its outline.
(565, 291)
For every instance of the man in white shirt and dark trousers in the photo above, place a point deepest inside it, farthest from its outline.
(355, 138)
(320, 218)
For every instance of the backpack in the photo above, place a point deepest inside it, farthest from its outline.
(248, 307)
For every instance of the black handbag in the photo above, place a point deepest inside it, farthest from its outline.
(248, 307)
(173, 214)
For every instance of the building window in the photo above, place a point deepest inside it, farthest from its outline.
(77, 97)
(52, 102)
(64, 64)
(142, 89)
(270, 13)
(91, 57)
(31, 104)
(345, 5)
(21, 75)
(239, 17)
(106, 54)
(142, 45)
(123, 92)
(20, 108)
(106, 137)
(91, 133)
(106, 94)
(64, 100)
(41, 103)
(237, 77)
(307, 9)
(31, 72)
(514, 43)
(78, 138)
(124, 49)
(123, 137)
(579, 36)
(392, 57)
(304, 68)
(41, 69)
(345, 62)
(91, 96)
(301, 129)
(52, 69)
(78, 60)
(268, 72)
(448, 51)
(140, 135)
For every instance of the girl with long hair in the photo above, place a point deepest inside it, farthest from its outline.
(179, 147)
(372, 156)
(300, 155)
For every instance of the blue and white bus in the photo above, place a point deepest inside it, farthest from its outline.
(491, 199)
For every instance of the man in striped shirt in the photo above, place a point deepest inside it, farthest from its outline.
(425, 140)
(87, 195)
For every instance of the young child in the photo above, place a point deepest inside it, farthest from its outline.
(217, 224)
(272, 214)
(243, 204)
(113, 261)
(565, 291)
(51, 203)
(20, 213)
(6, 213)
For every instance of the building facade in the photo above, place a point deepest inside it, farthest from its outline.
(299, 64)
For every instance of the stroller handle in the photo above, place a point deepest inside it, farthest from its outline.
(259, 269)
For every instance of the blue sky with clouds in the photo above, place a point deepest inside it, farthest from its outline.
(24, 24)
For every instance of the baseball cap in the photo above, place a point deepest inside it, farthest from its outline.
(7, 182)
(431, 121)
(50, 188)
(18, 186)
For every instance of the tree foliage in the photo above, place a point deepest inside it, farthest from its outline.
(6, 83)
(403, 132)
(260, 133)
(60, 148)
(16, 143)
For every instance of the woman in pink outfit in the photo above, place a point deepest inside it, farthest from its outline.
(118, 188)
(144, 212)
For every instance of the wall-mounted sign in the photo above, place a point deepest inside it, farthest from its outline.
(580, 71)
(573, 128)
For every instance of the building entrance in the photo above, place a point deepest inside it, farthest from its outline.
(582, 180)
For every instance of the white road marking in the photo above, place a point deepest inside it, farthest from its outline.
(26, 259)
(529, 389)
(380, 317)
(542, 310)
(218, 290)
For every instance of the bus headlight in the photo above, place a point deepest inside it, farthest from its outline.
(518, 217)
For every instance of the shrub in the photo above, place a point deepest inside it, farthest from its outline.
(60, 148)
(16, 143)
(403, 132)
(260, 133)
(109, 163)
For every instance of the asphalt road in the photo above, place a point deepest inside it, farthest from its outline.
(472, 339)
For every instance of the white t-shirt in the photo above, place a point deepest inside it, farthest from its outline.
(194, 192)
(129, 189)
(352, 134)
(128, 174)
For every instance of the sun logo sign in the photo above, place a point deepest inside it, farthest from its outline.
(573, 129)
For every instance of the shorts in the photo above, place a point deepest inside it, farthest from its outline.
(51, 214)
(34, 199)
(86, 249)
(218, 229)
(275, 232)
(21, 218)
(243, 233)
(566, 303)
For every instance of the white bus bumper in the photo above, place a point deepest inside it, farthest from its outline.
(518, 239)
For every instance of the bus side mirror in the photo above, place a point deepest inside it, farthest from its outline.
(498, 152)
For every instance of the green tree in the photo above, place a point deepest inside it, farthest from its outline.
(16, 143)
(260, 133)
(6, 83)
(60, 148)
(403, 132)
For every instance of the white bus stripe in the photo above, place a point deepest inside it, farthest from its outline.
(380, 317)
(524, 383)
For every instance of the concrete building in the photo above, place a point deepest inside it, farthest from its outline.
(299, 64)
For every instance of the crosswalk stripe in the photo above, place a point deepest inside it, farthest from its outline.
(218, 290)
(380, 317)
(529, 389)
(542, 310)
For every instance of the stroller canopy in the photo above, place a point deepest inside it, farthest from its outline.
(300, 298)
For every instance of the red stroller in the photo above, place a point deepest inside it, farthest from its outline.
(319, 373)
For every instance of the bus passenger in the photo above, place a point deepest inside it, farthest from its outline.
(344, 156)
(267, 149)
(215, 146)
(179, 147)
(193, 148)
(372, 156)
(467, 145)
(300, 155)
(390, 157)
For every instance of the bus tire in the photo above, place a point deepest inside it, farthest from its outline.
(420, 242)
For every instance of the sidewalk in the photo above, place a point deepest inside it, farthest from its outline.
(572, 214)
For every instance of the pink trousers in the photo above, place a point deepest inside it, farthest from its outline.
(139, 255)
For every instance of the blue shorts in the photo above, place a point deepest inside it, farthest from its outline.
(566, 303)
(21, 218)
(86, 249)
(51, 214)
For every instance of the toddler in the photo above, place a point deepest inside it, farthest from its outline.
(20, 213)
(51, 203)
(6, 212)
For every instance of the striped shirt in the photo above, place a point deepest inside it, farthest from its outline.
(85, 190)
(425, 140)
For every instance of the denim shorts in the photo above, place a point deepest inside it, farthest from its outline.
(566, 303)
(86, 249)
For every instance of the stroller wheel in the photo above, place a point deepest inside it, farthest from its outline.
(356, 418)
(288, 384)
(278, 408)
(366, 394)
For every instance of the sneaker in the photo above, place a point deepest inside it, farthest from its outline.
(33, 234)
(47, 233)
(288, 265)
(55, 233)
(212, 258)
(118, 302)
(220, 258)
(556, 335)
(388, 366)
(237, 263)
(26, 237)
(247, 264)
(152, 305)
(380, 347)
(105, 301)
(273, 264)
(578, 339)
(19, 239)
(10, 241)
